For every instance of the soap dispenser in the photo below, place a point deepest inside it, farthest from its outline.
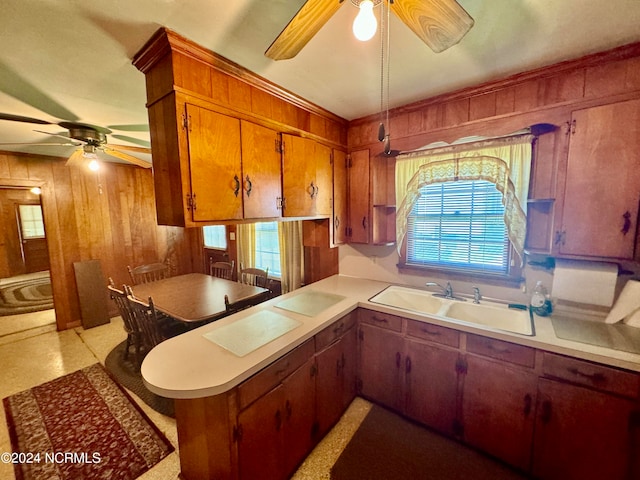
(541, 301)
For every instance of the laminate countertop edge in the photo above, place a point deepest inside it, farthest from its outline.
(191, 366)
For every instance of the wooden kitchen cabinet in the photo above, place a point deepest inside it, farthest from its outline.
(307, 178)
(582, 433)
(498, 409)
(340, 200)
(602, 185)
(261, 171)
(359, 190)
(275, 432)
(336, 349)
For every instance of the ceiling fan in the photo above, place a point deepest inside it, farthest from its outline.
(439, 23)
(90, 139)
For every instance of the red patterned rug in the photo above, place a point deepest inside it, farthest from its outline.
(81, 426)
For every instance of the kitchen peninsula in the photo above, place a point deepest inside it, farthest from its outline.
(264, 411)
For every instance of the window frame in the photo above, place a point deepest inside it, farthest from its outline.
(512, 276)
(271, 273)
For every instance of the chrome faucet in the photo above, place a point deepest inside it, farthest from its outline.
(447, 292)
(476, 295)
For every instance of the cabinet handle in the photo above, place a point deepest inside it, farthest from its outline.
(429, 332)
(250, 186)
(496, 349)
(593, 377)
(338, 329)
(627, 222)
(398, 359)
(236, 190)
(546, 412)
(364, 222)
(378, 319)
(289, 409)
(527, 404)
(316, 189)
(336, 222)
(312, 190)
(407, 365)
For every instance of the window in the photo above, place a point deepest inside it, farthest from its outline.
(268, 248)
(459, 225)
(215, 236)
(31, 224)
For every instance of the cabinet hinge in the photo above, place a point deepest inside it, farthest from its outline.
(347, 161)
(237, 433)
(279, 145)
(313, 371)
(191, 202)
(185, 121)
(280, 203)
(461, 365)
(331, 158)
(360, 335)
(571, 127)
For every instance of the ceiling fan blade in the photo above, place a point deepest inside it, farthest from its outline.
(43, 144)
(137, 141)
(19, 118)
(143, 127)
(439, 23)
(76, 158)
(130, 148)
(302, 27)
(126, 157)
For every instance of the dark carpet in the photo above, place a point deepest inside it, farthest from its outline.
(26, 296)
(125, 372)
(388, 447)
(81, 426)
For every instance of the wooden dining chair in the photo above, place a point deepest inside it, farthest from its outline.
(239, 305)
(221, 269)
(148, 273)
(255, 276)
(147, 320)
(128, 320)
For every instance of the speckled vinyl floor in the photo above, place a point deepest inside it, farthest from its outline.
(42, 354)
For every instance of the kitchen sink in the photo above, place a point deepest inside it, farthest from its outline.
(408, 299)
(490, 314)
(494, 315)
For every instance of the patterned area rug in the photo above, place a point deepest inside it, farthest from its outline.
(26, 296)
(81, 425)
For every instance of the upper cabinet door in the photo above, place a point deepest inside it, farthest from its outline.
(323, 195)
(298, 175)
(602, 189)
(215, 165)
(261, 169)
(339, 220)
(359, 193)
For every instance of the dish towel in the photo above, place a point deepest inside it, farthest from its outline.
(627, 305)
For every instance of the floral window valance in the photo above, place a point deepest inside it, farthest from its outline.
(504, 161)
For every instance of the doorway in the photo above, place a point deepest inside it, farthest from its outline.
(24, 261)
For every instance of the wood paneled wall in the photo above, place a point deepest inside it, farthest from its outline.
(547, 94)
(109, 216)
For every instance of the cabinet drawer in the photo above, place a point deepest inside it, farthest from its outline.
(384, 320)
(601, 377)
(500, 350)
(267, 378)
(335, 330)
(433, 333)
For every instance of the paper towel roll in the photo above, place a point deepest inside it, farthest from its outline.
(627, 303)
(580, 281)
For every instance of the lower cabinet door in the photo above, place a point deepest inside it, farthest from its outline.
(382, 366)
(581, 433)
(498, 405)
(432, 386)
(260, 442)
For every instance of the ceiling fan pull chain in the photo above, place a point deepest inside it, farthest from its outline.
(381, 132)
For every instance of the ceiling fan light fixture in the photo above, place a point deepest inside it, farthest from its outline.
(94, 165)
(365, 23)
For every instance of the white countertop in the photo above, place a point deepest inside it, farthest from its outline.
(192, 366)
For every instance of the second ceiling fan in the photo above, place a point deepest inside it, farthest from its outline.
(439, 23)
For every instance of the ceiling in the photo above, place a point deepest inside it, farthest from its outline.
(71, 60)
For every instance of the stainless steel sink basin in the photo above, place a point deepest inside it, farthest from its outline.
(408, 299)
(489, 314)
(494, 315)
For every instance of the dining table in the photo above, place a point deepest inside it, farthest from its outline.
(196, 298)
